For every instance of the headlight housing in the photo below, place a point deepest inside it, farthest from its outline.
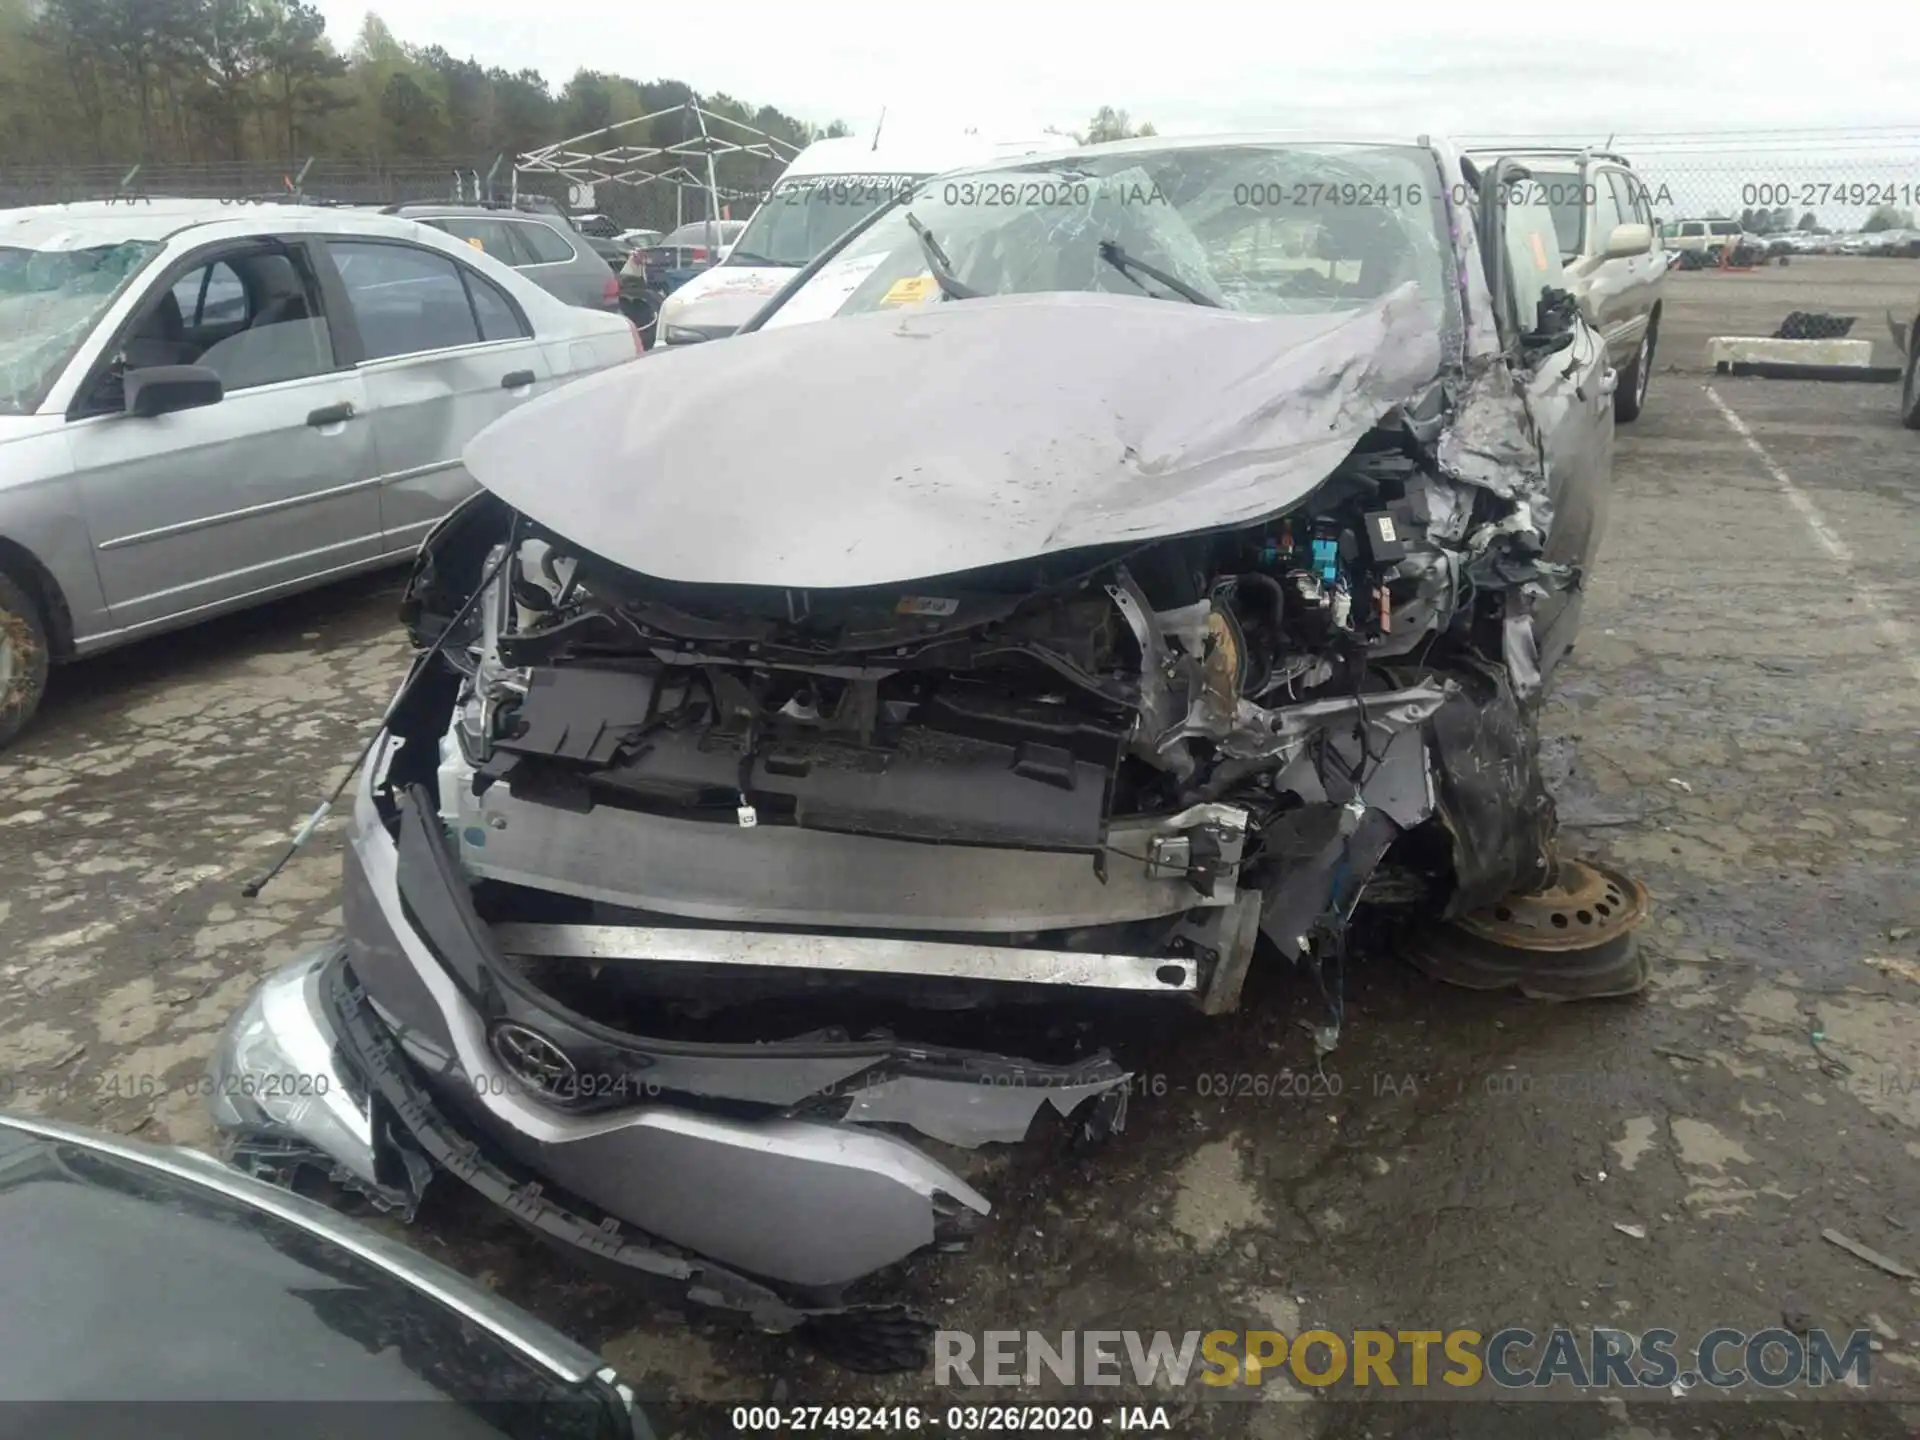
(276, 1076)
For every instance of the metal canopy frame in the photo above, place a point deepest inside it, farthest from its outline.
(590, 159)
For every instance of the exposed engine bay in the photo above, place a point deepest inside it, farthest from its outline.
(1114, 768)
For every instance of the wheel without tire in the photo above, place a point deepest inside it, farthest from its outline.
(1910, 387)
(1631, 393)
(23, 658)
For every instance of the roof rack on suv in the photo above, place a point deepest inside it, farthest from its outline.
(442, 203)
(1591, 152)
(292, 197)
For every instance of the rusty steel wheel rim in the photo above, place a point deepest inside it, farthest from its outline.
(13, 651)
(1584, 905)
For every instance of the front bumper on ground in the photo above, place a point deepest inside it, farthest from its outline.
(285, 1096)
(416, 1138)
(752, 1172)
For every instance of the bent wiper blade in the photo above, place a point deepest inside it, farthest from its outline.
(937, 261)
(1111, 252)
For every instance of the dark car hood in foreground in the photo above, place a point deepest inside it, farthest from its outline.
(149, 1286)
(900, 445)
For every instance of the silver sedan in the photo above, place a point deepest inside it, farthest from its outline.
(205, 405)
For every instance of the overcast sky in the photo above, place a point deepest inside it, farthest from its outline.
(1610, 65)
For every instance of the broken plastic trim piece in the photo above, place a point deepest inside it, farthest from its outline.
(978, 1114)
(559, 1218)
(379, 1058)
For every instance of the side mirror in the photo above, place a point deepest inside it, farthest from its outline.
(163, 389)
(1555, 319)
(1629, 240)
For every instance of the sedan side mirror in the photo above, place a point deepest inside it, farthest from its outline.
(163, 389)
(1629, 240)
(1556, 318)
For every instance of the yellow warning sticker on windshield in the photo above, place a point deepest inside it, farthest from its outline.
(1539, 250)
(910, 291)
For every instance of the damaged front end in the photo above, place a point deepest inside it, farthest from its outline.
(671, 904)
(1110, 769)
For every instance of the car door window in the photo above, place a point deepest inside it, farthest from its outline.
(498, 238)
(498, 319)
(1532, 249)
(1610, 210)
(547, 245)
(1567, 197)
(406, 299)
(253, 317)
(1635, 203)
(211, 295)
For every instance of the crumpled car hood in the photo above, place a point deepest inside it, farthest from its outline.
(917, 443)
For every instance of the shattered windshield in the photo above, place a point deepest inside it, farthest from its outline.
(1266, 229)
(804, 215)
(50, 300)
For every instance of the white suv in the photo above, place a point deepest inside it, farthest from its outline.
(1701, 242)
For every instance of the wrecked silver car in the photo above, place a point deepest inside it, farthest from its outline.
(1154, 547)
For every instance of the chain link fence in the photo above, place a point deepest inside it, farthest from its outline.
(349, 182)
(659, 204)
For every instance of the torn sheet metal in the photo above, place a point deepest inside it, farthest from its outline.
(1396, 774)
(1493, 798)
(1520, 648)
(1315, 897)
(970, 1115)
(1278, 733)
(1491, 444)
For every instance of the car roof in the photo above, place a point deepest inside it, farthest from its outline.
(1153, 144)
(89, 223)
(1554, 156)
(1542, 164)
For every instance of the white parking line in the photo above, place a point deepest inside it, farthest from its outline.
(1872, 599)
